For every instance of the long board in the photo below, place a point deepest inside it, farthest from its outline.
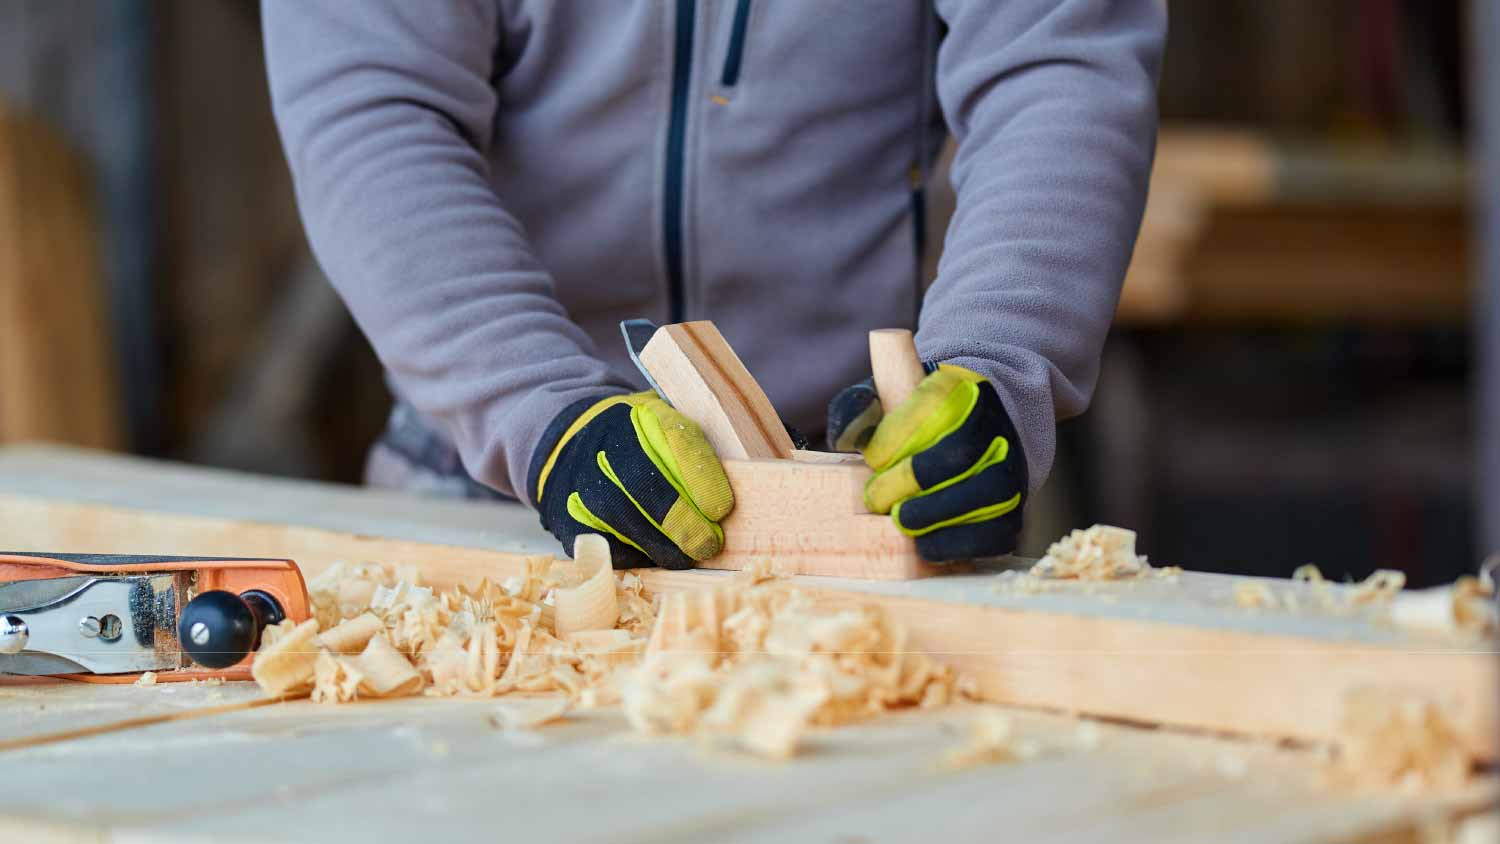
(1176, 653)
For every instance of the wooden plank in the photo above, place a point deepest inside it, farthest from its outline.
(1192, 660)
(57, 379)
(439, 770)
(1239, 680)
(704, 379)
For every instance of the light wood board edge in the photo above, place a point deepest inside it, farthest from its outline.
(1230, 681)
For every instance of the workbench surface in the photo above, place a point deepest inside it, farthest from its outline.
(446, 770)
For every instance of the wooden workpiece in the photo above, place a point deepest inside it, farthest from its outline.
(1156, 650)
(804, 509)
(438, 769)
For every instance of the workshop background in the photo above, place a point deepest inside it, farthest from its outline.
(1307, 341)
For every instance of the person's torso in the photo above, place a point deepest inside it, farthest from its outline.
(752, 162)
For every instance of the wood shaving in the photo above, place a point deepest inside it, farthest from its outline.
(1392, 739)
(385, 671)
(146, 679)
(351, 636)
(1308, 573)
(1088, 736)
(1466, 606)
(529, 713)
(1100, 553)
(757, 662)
(1379, 587)
(992, 740)
(286, 665)
(1254, 593)
(591, 605)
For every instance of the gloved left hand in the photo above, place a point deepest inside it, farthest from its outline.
(948, 464)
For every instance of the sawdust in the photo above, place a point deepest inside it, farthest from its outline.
(1394, 739)
(992, 740)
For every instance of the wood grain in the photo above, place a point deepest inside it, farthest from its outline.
(430, 769)
(809, 517)
(701, 376)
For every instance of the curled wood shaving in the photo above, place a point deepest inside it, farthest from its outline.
(351, 636)
(1465, 606)
(1100, 553)
(335, 679)
(386, 671)
(529, 713)
(1308, 573)
(592, 604)
(1388, 738)
(1254, 593)
(286, 665)
(1379, 587)
(992, 740)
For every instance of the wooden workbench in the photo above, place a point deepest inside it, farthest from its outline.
(442, 770)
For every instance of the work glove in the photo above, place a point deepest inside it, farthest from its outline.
(948, 464)
(636, 471)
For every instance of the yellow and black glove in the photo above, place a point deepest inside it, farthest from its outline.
(948, 464)
(635, 470)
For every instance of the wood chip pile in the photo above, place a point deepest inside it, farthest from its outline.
(753, 660)
(1102, 552)
(758, 662)
(565, 626)
(1388, 739)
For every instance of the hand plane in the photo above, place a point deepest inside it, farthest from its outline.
(802, 509)
(108, 618)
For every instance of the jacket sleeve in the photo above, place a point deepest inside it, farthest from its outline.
(385, 109)
(1052, 104)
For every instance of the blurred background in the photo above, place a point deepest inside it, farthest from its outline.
(1305, 345)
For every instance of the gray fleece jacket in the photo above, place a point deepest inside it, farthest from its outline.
(492, 185)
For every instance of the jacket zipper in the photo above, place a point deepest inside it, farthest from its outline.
(736, 53)
(682, 66)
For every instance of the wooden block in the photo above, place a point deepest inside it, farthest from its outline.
(702, 377)
(809, 518)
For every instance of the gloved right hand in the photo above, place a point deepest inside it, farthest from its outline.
(638, 472)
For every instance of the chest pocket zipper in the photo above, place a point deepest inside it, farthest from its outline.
(736, 53)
